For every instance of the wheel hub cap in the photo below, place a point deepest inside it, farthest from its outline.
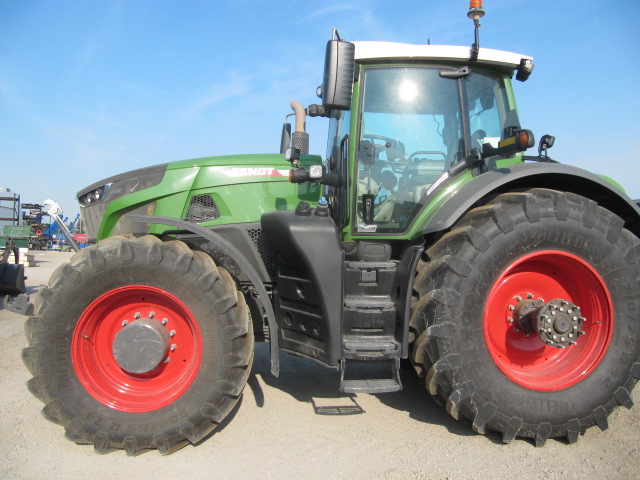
(140, 346)
(558, 322)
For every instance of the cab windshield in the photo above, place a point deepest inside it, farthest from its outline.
(416, 124)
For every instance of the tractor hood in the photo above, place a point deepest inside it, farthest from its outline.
(242, 186)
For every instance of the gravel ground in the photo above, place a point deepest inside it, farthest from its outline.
(300, 425)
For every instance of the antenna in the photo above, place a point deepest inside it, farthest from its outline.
(475, 13)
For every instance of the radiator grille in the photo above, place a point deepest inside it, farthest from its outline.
(259, 239)
(202, 209)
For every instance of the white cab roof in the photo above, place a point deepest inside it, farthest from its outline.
(386, 50)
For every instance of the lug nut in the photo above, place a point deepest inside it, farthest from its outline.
(173, 347)
(136, 315)
(152, 314)
(125, 323)
(165, 321)
(172, 333)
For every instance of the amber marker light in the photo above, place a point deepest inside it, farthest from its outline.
(475, 10)
(523, 138)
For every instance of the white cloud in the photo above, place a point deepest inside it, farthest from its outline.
(236, 85)
(332, 9)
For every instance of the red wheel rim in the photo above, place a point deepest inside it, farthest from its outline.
(97, 368)
(526, 359)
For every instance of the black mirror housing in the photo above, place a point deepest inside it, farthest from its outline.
(285, 138)
(339, 67)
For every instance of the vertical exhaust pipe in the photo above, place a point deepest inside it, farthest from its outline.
(300, 138)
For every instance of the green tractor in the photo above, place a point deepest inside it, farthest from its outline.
(510, 283)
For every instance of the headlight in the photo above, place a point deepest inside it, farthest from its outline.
(123, 184)
(94, 195)
(315, 172)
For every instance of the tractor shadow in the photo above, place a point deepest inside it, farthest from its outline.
(318, 386)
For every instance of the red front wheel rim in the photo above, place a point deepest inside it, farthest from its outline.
(524, 357)
(96, 366)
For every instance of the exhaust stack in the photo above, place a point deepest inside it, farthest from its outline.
(300, 138)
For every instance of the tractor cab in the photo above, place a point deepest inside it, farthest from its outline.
(406, 122)
(420, 115)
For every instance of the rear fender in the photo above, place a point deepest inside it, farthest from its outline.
(536, 175)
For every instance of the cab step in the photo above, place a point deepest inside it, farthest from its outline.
(380, 376)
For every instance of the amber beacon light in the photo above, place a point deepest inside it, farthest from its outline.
(476, 11)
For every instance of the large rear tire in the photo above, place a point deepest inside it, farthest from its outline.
(139, 344)
(500, 266)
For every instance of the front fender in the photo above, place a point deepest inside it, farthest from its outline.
(242, 262)
(554, 176)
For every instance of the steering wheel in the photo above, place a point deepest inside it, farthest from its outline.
(396, 159)
(388, 140)
(390, 145)
(427, 152)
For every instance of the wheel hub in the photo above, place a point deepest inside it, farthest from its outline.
(141, 345)
(558, 322)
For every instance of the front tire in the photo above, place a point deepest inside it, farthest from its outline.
(139, 344)
(535, 246)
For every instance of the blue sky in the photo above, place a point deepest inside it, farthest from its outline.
(91, 88)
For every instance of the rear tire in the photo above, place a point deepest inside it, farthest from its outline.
(102, 398)
(542, 244)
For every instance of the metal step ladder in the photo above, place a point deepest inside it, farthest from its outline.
(380, 376)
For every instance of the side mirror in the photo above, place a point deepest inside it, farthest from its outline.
(339, 66)
(546, 142)
(285, 139)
